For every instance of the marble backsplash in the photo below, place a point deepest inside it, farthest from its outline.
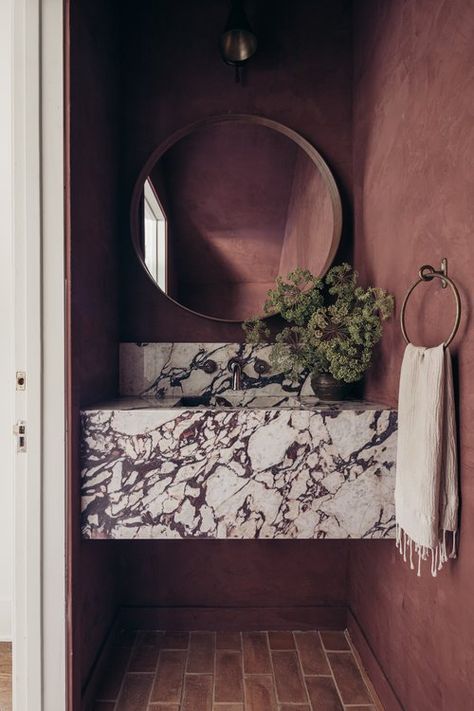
(163, 370)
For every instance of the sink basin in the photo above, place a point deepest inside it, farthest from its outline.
(240, 398)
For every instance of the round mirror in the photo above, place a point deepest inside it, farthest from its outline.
(225, 206)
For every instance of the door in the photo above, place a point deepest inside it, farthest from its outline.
(37, 178)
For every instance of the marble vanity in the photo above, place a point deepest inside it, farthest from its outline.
(182, 455)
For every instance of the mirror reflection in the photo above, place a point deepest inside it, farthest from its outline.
(230, 206)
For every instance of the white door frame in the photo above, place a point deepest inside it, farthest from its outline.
(7, 360)
(39, 618)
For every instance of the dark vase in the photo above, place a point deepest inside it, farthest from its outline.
(328, 389)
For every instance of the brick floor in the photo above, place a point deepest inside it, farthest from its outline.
(234, 671)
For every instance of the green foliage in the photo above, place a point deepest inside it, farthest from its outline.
(334, 323)
(296, 298)
(291, 352)
(256, 331)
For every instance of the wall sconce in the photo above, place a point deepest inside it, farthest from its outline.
(238, 42)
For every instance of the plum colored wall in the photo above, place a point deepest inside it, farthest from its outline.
(414, 182)
(94, 316)
(301, 76)
(263, 574)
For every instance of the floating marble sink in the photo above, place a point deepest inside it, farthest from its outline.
(238, 466)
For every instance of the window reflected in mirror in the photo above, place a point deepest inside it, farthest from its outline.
(154, 247)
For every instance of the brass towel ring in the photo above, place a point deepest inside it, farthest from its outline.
(427, 273)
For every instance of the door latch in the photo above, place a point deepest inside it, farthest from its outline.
(20, 380)
(19, 430)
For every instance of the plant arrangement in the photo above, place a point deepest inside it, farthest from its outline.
(333, 323)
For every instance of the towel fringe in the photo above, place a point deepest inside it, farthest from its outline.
(438, 554)
(453, 551)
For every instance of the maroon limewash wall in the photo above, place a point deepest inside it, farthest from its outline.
(414, 187)
(94, 315)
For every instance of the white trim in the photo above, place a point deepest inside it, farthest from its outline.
(39, 647)
(54, 339)
(152, 199)
(7, 351)
(6, 610)
(27, 657)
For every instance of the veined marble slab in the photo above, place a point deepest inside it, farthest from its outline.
(162, 370)
(317, 471)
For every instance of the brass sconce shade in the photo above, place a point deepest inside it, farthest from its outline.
(238, 42)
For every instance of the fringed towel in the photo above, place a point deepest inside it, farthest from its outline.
(426, 490)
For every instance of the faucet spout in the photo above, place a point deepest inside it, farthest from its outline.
(235, 368)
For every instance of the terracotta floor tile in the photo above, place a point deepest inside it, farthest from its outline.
(335, 641)
(229, 640)
(259, 693)
(112, 681)
(323, 693)
(152, 638)
(197, 694)
(256, 653)
(281, 640)
(144, 658)
(227, 671)
(310, 650)
(135, 692)
(348, 678)
(228, 679)
(5, 658)
(201, 653)
(288, 678)
(169, 677)
(175, 640)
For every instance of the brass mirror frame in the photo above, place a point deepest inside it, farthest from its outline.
(253, 119)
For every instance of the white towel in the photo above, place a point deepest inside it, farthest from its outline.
(426, 490)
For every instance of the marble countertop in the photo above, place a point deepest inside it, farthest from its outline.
(249, 400)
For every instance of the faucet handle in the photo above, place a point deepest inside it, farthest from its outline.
(209, 366)
(261, 366)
